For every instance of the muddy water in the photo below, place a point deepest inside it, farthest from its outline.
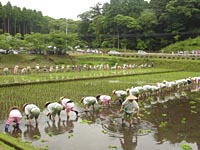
(168, 122)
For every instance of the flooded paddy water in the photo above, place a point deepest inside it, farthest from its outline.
(169, 121)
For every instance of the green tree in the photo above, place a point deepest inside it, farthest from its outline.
(96, 27)
(58, 40)
(8, 14)
(147, 22)
(5, 41)
(84, 34)
(184, 15)
(37, 42)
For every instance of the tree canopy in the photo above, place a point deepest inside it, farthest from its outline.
(123, 24)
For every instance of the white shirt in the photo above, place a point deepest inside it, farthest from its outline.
(29, 107)
(89, 99)
(129, 106)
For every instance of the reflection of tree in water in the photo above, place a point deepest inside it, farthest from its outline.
(32, 133)
(53, 128)
(181, 117)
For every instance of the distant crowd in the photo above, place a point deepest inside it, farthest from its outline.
(65, 68)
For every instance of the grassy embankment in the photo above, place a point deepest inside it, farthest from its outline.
(10, 143)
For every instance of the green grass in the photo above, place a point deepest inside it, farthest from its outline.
(4, 146)
(13, 143)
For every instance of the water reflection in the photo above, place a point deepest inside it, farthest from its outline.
(54, 128)
(129, 140)
(165, 97)
(32, 133)
(105, 113)
(127, 136)
(91, 116)
(173, 117)
(177, 120)
(16, 132)
(68, 125)
(60, 127)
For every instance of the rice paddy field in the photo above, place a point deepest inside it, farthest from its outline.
(169, 121)
(8, 80)
(169, 125)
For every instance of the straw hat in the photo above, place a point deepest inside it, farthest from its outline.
(24, 106)
(131, 97)
(47, 103)
(98, 96)
(127, 90)
(113, 92)
(62, 97)
(13, 107)
(82, 99)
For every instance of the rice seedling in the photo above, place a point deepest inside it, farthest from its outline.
(183, 120)
(44, 147)
(111, 146)
(84, 121)
(163, 124)
(104, 131)
(164, 115)
(192, 102)
(43, 140)
(186, 147)
(36, 137)
(142, 131)
(70, 135)
(147, 112)
(50, 134)
(193, 112)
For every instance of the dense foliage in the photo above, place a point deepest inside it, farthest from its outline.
(124, 24)
(136, 24)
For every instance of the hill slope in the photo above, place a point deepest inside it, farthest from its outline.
(187, 45)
